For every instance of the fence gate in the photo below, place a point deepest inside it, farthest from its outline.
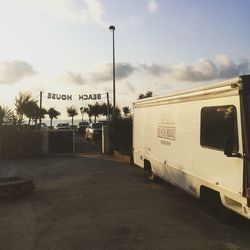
(61, 141)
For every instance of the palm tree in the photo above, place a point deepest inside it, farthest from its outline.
(21, 103)
(117, 113)
(53, 113)
(39, 113)
(15, 120)
(30, 110)
(5, 115)
(72, 112)
(148, 94)
(96, 110)
(104, 109)
(126, 110)
(89, 111)
(83, 111)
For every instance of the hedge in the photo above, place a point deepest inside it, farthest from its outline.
(121, 135)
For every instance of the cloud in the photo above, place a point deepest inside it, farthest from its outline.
(75, 78)
(102, 74)
(202, 70)
(105, 72)
(155, 69)
(94, 10)
(78, 11)
(14, 71)
(221, 67)
(124, 70)
(227, 68)
(130, 87)
(152, 6)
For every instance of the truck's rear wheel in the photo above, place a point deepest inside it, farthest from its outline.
(148, 170)
(151, 176)
(212, 203)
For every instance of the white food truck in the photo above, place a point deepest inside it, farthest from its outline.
(199, 140)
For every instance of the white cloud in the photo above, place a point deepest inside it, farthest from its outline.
(105, 72)
(152, 6)
(226, 67)
(221, 67)
(155, 69)
(77, 11)
(94, 10)
(202, 70)
(76, 78)
(14, 71)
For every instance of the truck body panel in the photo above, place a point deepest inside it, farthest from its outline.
(170, 132)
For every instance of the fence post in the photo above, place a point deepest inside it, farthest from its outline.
(45, 142)
(105, 140)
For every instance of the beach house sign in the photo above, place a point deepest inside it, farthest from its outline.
(81, 97)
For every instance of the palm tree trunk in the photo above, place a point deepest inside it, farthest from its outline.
(51, 123)
(72, 121)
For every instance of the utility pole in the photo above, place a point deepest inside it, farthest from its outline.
(112, 28)
(108, 108)
(41, 100)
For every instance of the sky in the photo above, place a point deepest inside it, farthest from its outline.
(65, 47)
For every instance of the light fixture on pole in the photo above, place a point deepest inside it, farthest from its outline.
(112, 28)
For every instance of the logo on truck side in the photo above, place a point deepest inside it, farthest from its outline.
(166, 132)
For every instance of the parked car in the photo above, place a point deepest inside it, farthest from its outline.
(103, 122)
(82, 127)
(63, 126)
(43, 126)
(93, 131)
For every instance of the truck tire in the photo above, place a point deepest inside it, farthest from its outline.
(151, 176)
(148, 170)
(225, 215)
(211, 202)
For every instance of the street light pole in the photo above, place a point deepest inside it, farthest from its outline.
(112, 28)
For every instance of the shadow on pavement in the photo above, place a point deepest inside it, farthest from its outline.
(85, 146)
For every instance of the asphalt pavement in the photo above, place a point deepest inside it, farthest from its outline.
(95, 202)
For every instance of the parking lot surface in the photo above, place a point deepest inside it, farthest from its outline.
(95, 202)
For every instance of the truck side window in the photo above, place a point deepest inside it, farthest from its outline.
(219, 124)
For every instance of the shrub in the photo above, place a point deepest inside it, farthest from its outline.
(121, 135)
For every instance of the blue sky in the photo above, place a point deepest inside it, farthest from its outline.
(65, 47)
